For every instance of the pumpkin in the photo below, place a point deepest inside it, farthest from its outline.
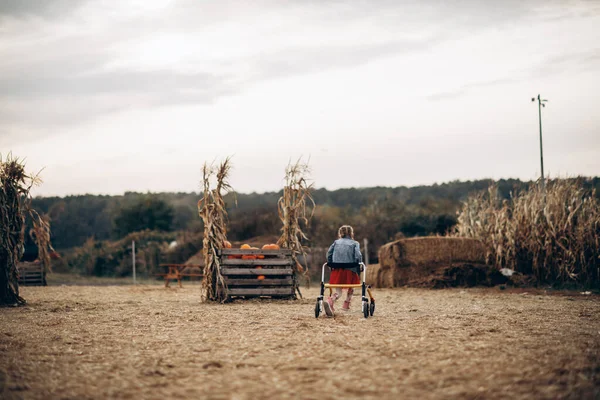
(246, 246)
(227, 245)
(259, 256)
(271, 246)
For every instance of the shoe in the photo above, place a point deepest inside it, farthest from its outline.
(346, 306)
(328, 306)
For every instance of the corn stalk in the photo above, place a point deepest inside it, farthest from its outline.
(40, 233)
(15, 205)
(553, 235)
(296, 205)
(211, 209)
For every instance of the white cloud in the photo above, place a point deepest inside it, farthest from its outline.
(136, 96)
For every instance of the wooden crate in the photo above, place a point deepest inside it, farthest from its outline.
(31, 274)
(271, 276)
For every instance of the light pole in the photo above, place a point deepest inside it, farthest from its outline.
(540, 105)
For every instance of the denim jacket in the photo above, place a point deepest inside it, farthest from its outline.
(344, 250)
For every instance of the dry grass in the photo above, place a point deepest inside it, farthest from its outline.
(552, 234)
(408, 259)
(70, 279)
(148, 342)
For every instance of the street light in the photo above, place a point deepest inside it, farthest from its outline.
(540, 105)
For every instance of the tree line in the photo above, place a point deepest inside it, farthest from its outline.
(380, 214)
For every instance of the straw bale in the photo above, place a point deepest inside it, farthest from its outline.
(408, 259)
(372, 274)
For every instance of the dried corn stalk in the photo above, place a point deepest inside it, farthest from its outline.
(211, 209)
(15, 205)
(40, 233)
(296, 205)
(553, 235)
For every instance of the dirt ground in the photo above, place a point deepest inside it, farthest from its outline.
(150, 342)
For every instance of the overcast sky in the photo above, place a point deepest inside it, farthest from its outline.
(110, 96)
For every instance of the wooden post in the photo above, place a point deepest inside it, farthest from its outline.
(133, 259)
(366, 244)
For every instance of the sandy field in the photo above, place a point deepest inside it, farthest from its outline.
(148, 342)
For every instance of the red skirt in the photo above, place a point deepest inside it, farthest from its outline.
(340, 276)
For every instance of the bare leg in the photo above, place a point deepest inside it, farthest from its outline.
(328, 305)
(349, 295)
(337, 294)
(346, 305)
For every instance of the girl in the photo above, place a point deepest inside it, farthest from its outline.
(343, 257)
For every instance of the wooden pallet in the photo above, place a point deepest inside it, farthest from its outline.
(271, 276)
(31, 274)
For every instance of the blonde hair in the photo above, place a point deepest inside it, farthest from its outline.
(346, 231)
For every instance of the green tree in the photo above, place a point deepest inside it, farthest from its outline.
(149, 212)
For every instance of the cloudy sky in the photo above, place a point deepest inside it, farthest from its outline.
(110, 96)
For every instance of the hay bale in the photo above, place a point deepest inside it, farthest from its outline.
(409, 259)
(372, 274)
(380, 277)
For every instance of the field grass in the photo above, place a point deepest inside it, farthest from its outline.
(145, 341)
(58, 279)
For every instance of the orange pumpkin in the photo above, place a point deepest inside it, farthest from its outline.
(227, 245)
(246, 246)
(260, 277)
(259, 256)
(271, 246)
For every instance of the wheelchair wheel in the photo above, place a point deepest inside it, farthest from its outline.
(317, 309)
(365, 308)
(372, 308)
